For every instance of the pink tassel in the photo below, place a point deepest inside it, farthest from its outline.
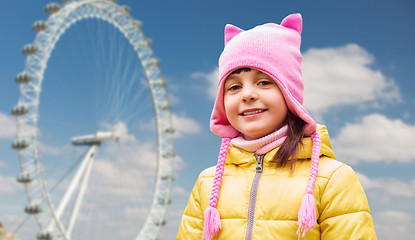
(212, 223)
(306, 215)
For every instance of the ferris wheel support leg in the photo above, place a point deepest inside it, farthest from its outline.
(80, 196)
(75, 181)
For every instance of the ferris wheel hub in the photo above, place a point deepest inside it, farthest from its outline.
(96, 139)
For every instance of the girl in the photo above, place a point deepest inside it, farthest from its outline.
(276, 177)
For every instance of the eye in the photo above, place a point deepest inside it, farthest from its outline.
(265, 82)
(234, 88)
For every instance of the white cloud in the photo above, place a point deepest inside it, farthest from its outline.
(3, 164)
(184, 125)
(173, 217)
(179, 191)
(121, 129)
(212, 80)
(50, 150)
(394, 225)
(388, 186)
(12, 221)
(8, 186)
(376, 138)
(179, 164)
(7, 126)
(122, 167)
(174, 100)
(342, 76)
(132, 213)
(180, 197)
(384, 194)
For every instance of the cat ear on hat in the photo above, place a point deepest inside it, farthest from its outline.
(231, 31)
(293, 21)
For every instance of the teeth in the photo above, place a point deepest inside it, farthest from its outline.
(252, 112)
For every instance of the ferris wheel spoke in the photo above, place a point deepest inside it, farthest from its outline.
(65, 175)
(75, 181)
(80, 196)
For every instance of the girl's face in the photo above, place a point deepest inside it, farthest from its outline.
(254, 104)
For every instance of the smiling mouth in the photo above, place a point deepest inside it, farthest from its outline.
(252, 112)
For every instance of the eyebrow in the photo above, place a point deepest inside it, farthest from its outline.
(257, 72)
(230, 77)
(260, 73)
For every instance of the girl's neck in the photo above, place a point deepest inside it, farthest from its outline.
(264, 144)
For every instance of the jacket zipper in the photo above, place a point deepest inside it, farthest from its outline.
(253, 195)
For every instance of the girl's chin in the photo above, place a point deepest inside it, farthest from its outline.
(253, 136)
(257, 133)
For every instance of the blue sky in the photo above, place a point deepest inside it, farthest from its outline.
(358, 60)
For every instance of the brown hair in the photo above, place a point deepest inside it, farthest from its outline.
(289, 148)
(239, 70)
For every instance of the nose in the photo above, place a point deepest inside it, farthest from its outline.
(249, 94)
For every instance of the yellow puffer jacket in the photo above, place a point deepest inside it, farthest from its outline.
(342, 208)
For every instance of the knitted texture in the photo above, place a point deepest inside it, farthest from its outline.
(264, 144)
(273, 49)
(212, 218)
(307, 214)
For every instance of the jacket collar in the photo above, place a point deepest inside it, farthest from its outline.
(238, 156)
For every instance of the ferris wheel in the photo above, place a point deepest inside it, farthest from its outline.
(109, 144)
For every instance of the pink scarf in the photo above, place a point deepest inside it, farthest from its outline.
(262, 145)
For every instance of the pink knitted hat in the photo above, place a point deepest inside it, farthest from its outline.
(275, 50)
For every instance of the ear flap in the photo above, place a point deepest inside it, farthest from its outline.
(293, 21)
(230, 32)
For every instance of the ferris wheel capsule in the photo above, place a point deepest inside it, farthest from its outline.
(137, 23)
(44, 236)
(164, 201)
(39, 26)
(145, 42)
(126, 8)
(33, 208)
(165, 106)
(23, 77)
(152, 62)
(149, 41)
(160, 84)
(169, 154)
(24, 178)
(19, 110)
(52, 8)
(29, 49)
(160, 222)
(169, 178)
(169, 130)
(20, 144)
